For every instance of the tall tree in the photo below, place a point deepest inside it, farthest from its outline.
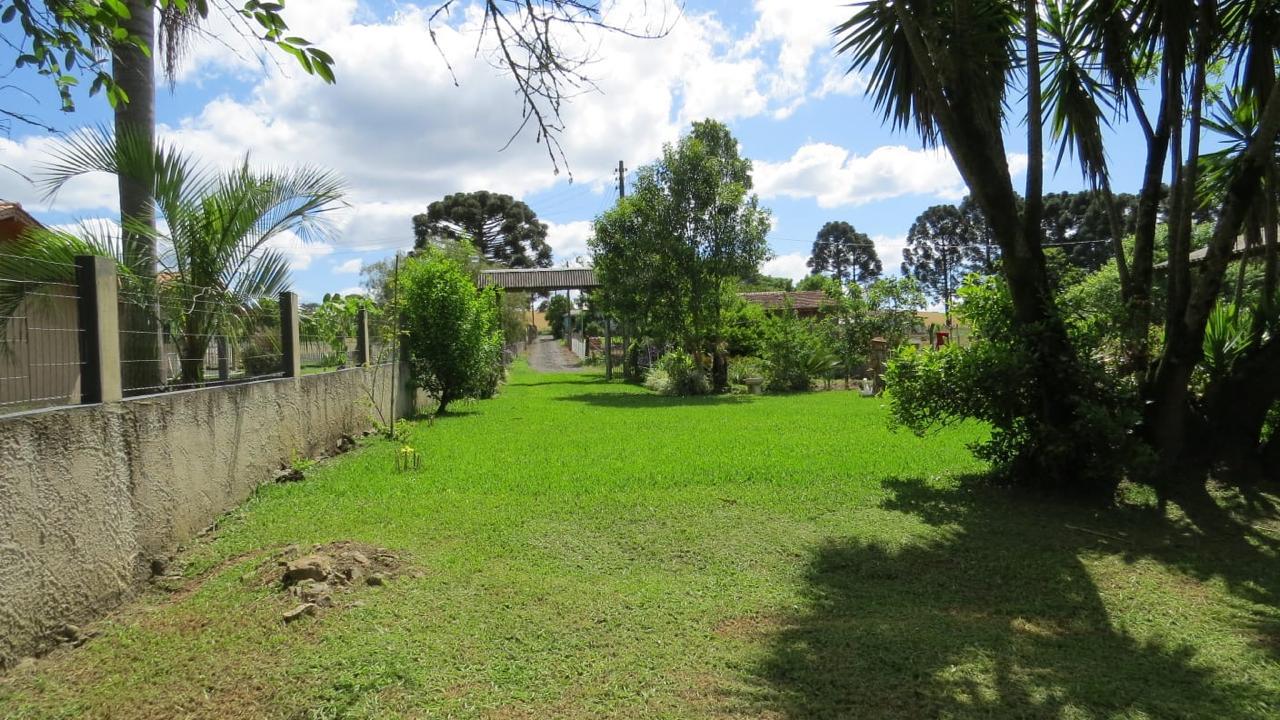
(1080, 224)
(503, 229)
(845, 253)
(943, 245)
(949, 69)
(133, 95)
(668, 254)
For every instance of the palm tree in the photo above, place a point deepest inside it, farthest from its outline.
(215, 229)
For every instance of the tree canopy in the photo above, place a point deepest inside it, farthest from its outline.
(667, 255)
(967, 75)
(505, 230)
(943, 245)
(844, 253)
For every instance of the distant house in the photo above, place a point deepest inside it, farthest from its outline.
(1239, 250)
(14, 221)
(806, 303)
(39, 351)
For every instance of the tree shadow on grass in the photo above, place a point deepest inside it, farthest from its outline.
(638, 401)
(995, 615)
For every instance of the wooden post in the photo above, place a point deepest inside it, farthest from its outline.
(100, 379)
(362, 337)
(879, 353)
(224, 359)
(608, 348)
(290, 337)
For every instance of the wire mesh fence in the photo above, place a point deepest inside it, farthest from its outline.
(40, 336)
(172, 336)
(176, 336)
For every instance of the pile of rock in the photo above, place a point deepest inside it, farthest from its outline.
(314, 578)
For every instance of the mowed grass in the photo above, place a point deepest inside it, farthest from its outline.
(584, 549)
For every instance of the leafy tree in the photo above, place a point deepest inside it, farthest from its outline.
(333, 322)
(845, 253)
(452, 330)
(795, 352)
(667, 254)
(966, 74)
(378, 280)
(757, 282)
(502, 228)
(893, 307)
(219, 267)
(1078, 223)
(821, 283)
(556, 310)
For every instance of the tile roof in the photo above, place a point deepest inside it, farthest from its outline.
(800, 300)
(13, 212)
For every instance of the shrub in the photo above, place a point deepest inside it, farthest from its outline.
(991, 381)
(744, 324)
(453, 331)
(795, 353)
(742, 368)
(678, 373)
(261, 353)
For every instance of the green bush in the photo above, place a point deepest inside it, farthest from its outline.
(795, 353)
(741, 368)
(556, 309)
(991, 381)
(678, 373)
(261, 354)
(453, 331)
(744, 324)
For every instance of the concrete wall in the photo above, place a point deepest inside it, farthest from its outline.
(89, 495)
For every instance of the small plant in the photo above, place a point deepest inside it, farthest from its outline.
(407, 458)
(300, 463)
(744, 368)
(386, 431)
(678, 373)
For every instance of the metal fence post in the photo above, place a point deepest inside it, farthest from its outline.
(290, 338)
(100, 379)
(362, 337)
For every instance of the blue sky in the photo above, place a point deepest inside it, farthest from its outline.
(403, 134)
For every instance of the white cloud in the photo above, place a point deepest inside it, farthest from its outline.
(835, 177)
(350, 267)
(568, 241)
(889, 250)
(354, 290)
(791, 265)
(20, 164)
(299, 253)
(801, 33)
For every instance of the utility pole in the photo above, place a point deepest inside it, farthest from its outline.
(608, 322)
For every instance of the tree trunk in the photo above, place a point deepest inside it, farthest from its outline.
(1142, 268)
(1168, 393)
(719, 370)
(1236, 408)
(972, 127)
(134, 72)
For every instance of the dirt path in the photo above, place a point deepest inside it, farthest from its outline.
(548, 355)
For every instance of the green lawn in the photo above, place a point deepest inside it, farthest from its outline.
(583, 549)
